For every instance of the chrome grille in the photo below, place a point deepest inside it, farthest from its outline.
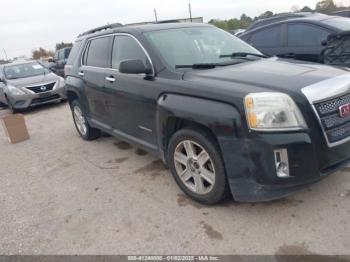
(336, 128)
(40, 89)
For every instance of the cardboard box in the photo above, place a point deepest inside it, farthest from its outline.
(15, 128)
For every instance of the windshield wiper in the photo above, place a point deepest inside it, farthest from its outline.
(243, 54)
(199, 66)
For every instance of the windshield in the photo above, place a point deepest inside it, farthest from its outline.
(340, 23)
(198, 45)
(24, 70)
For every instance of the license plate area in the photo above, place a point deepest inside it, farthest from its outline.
(44, 95)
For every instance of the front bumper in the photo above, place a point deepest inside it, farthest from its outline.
(251, 169)
(30, 100)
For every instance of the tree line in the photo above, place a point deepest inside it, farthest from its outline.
(324, 6)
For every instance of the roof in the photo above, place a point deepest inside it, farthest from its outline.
(141, 28)
(314, 18)
(285, 17)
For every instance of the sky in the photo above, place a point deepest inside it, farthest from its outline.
(26, 25)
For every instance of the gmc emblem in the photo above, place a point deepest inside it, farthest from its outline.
(345, 110)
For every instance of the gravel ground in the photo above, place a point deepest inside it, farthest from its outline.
(62, 195)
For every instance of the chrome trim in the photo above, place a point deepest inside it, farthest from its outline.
(145, 129)
(110, 79)
(41, 84)
(327, 89)
(324, 91)
(113, 35)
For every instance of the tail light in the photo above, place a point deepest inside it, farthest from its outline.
(67, 69)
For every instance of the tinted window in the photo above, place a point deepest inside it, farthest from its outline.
(66, 52)
(61, 55)
(126, 48)
(98, 53)
(74, 52)
(306, 35)
(270, 37)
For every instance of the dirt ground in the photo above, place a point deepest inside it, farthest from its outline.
(62, 195)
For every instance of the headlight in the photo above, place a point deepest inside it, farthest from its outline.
(61, 82)
(273, 112)
(15, 91)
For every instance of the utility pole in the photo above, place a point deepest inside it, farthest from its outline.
(155, 15)
(7, 59)
(190, 10)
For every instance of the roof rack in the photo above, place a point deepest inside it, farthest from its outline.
(101, 28)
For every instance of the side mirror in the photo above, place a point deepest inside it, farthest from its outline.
(324, 43)
(134, 67)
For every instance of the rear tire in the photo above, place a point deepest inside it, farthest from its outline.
(195, 162)
(84, 129)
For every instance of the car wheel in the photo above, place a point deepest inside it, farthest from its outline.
(81, 123)
(197, 167)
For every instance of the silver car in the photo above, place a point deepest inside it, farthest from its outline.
(29, 83)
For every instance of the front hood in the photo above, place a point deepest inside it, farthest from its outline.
(33, 80)
(267, 74)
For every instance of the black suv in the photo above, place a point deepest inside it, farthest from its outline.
(59, 61)
(222, 116)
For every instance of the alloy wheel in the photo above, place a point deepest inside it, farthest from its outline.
(79, 120)
(195, 167)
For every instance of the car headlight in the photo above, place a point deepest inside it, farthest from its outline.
(15, 91)
(273, 112)
(61, 82)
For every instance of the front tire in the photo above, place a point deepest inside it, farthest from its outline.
(197, 167)
(81, 123)
(11, 107)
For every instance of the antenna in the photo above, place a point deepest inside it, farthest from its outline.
(155, 15)
(190, 10)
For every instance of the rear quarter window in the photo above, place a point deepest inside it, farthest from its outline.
(74, 52)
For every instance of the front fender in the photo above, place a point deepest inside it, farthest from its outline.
(222, 119)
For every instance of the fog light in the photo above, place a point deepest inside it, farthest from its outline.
(281, 162)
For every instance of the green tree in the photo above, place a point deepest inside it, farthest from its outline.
(63, 45)
(326, 6)
(306, 9)
(41, 52)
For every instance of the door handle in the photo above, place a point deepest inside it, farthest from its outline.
(110, 79)
(290, 55)
(81, 73)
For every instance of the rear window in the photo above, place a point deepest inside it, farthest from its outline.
(341, 23)
(74, 52)
(98, 54)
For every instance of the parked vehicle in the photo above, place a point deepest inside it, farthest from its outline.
(222, 116)
(25, 84)
(280, 18)
(344, 13)
(60, 60)
(337, 50)
(297, 38)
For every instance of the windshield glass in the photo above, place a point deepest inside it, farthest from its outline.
(340, 23)
(197, 45)
(24, 70)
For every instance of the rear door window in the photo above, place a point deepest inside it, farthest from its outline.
(269, 37)
(304, 35)
(98, 54)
